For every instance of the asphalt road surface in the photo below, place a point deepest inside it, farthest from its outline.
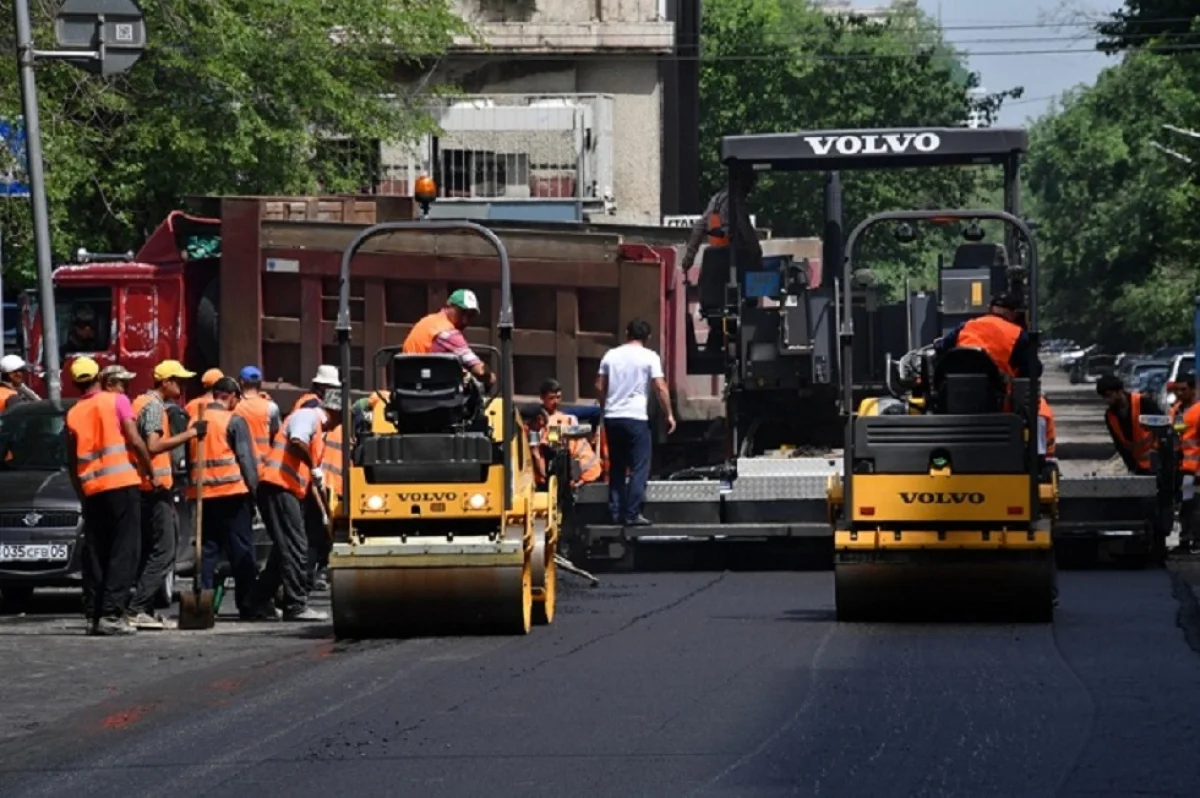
(671, 685)
(652, 684)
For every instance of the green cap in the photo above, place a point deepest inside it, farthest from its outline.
(464, 298)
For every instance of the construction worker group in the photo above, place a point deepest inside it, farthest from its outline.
(242, 458)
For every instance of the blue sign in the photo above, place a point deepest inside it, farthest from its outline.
(14, 162)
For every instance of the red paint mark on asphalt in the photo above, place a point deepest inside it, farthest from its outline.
(228, 685)
(124, 718)
(324, 651)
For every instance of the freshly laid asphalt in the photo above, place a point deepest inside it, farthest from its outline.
(652, 684)
(671, 685)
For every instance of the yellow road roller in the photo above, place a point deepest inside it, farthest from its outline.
(438, 529)
(940, 509)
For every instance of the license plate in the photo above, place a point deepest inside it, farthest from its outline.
(33, 552)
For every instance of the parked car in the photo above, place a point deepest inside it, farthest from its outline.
(1150, 382)
(1168, 352)
(1131, 375)
(40, 529)
(40, 516)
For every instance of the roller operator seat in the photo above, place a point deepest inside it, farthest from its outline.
(431, 394)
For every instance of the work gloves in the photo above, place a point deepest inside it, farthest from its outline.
(201, 428)
(1189, 487)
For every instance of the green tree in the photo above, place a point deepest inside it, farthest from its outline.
(1117, 215)
(231, 96)
(1165, 26)
(783, 65)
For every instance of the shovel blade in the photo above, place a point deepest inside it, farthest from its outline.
(196, 609)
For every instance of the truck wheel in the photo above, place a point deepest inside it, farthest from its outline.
(208, 316)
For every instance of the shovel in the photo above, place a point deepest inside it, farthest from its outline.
(196, 606)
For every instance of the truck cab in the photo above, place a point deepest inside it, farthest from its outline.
(139, 312)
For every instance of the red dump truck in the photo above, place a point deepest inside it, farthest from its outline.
(253, 280)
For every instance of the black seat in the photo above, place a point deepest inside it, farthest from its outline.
(967, 381)
(431, 394)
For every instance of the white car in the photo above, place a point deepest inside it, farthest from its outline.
(1181, 364)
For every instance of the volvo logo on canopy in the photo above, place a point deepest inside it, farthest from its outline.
(875, 143)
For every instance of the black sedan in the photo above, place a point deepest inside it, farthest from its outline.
(40, 530)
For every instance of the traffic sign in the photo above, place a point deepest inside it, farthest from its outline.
(110, 35)
(14, 162)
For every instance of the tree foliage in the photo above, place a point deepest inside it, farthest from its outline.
(1159, 25)
(1117, 213)
(783, 65)
(231, 96)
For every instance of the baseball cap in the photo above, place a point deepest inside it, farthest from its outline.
(11, 363)
(250, 374)
(210, 377)
(171, 370)
(84, 369)
(464, 298)
(116, 372)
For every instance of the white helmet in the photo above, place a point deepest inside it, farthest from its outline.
(11, 363)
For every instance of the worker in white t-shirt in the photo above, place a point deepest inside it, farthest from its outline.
(623, 387)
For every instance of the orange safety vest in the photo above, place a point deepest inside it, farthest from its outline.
(194, 407)
(162, 460)
(586, 462)
(718, 236)
(1189, 440)
(6, 393)
(994, 335)
(307, 396)
(257, 412)
(331, 460)
(422, 335)
(222, 477)
(1045, 412)
(1143, 440)
(285, 469)
(101, 454)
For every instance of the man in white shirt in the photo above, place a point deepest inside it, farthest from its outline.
(623, 387)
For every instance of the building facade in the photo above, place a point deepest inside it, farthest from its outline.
(562, 117)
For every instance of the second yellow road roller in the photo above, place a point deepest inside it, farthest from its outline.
(942, 509)
(439, 529)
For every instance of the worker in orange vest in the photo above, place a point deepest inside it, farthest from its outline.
(13, 390)
(104, 456)
(1047, 440)
(998, 334)
(1185, 414)
(158, 501)
(230, 481)
(442, 331)
(585, 463)
(293, 469)
(714, 226)
(325, 378)
(260, 412)
(1133, 442)
(202, 401)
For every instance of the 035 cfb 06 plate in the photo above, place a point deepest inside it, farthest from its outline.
(34, 552)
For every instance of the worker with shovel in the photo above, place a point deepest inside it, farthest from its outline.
(292, 472)
(224, 478)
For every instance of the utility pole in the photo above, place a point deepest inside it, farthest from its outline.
(103, 37)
